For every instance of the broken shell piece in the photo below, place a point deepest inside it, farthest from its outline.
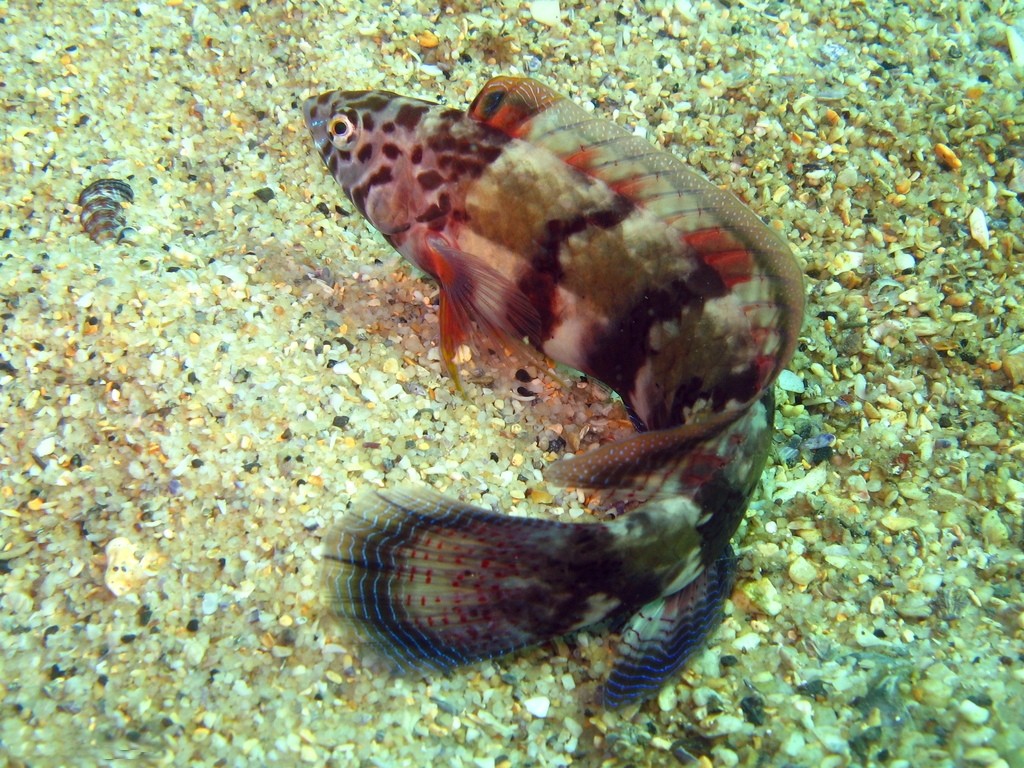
(978, 224)
(1015, 42)
(125, 571)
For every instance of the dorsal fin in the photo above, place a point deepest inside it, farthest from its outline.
(712, 225)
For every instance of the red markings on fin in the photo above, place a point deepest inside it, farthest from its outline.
(720, 250)
(432, 582)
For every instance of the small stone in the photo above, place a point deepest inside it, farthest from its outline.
(897, 523)
(947, 157)
(45, 447)
(978, 224)
(210, 603)
(790, 382)
(915, 607)
(546, 12)
(904, 260)
(1015, 42)
(993, 529)
(538, 706)
(984, 433)
(972, 713)
(802, 572)
(763, 594)
(846, 177)
(428, 39)
(667, 698)
(1013, 367)
(124, 571)
(539, 496)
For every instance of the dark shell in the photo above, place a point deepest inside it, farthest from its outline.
(102, 213)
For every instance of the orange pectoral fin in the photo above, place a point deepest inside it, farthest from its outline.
(473, 291)
(453, 333)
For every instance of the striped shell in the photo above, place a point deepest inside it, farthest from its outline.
(103, 203)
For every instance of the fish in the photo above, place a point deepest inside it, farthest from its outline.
(550, 226)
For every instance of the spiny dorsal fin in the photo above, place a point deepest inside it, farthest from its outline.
(713, 226)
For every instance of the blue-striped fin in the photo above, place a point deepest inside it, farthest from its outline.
(659, 640)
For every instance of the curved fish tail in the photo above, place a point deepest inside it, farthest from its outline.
(432, 582)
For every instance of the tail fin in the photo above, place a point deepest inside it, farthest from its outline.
(434, 583)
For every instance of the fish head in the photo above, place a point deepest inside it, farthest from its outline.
(362, 137)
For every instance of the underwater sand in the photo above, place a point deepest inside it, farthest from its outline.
(184, 413)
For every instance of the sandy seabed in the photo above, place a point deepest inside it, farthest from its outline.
(183, 413)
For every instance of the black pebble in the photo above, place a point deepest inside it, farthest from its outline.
(753, 709)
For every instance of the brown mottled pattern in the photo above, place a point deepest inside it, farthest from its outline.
(690, 267)
(629, 267)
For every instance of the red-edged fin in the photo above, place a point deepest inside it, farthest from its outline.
(716, 230)
(507, 103)
(432, 582)
(659, 639)
(473, 291)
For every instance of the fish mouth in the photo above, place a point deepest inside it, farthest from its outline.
(315, 113)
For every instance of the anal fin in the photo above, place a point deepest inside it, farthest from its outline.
(660, 638)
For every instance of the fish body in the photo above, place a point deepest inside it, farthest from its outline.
(543, 222)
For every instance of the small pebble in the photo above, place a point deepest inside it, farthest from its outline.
(984, 433)
(1013, 367)
(763, 594)
(947, 157)
(978, 224)
(790, 382)
(846, 177)
(904, 260)
(210, 600)
(667, 698)
(124, 570)
(546, 12)
(538, 706)
(972, 713)
(993, 529)
(1015, 42)
(897, 523)
(802, 572)
(45, 447)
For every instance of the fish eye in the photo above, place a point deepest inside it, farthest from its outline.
(341, 130)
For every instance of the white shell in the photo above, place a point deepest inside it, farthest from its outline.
(1015, 42)
(978, 224)
(538, 706)
(125, 571)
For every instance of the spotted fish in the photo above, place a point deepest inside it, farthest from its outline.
(546, 224)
